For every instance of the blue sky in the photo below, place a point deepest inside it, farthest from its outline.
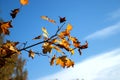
(97, 21)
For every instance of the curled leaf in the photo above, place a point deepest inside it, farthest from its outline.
(38, 37)
(48, 19)
(52, 60)
(84, 46)
(14, 12)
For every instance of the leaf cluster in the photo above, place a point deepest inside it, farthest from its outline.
(61, 41)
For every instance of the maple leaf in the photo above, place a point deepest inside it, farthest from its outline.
(4, 27)
(8, 49)
(14, 12)
(24, 2)
(48, 19)
(63, 61)
(31, 54)
(52, 60)
(47, 47)
(62, 19)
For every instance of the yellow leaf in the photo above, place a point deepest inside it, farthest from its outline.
(45, 18)
(69, 27)
(31, 54)
(24, 2)
(58, 49)
(44, 30)
(63, 61)
(72, 51)
(47, 48)
(48, 19)
(69, 63)
(45, 35)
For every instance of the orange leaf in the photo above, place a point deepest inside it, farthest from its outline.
(48, 19)
(52, 60)
(45, 18)
(24, 2)
(69, 63)
(69, 27)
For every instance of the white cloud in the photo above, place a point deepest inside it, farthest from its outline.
(105, 32)
(115, 14)
(102, 67)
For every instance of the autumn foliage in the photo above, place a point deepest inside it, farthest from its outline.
(61, 41)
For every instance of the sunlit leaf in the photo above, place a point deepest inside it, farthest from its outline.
(4, 26)
(44, 30)
(14, 13)
(69, 63)
(45, 18)
(63, 61)
(75, 42)
(47, 48)
(69, 27)
(48, 19)
(62, 19)
(24, 2)
(71, 50)
(31, 54)
(52, 60)
(45, 36)
(58, 49)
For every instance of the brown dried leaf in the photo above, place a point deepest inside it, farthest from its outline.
(4, 26)
(14, 12)
(62, 19)
(52, 60)
(84, 46)
(31, 54)
(38, 37)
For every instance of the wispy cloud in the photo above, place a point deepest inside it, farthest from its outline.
(114, 15)
(105, 32)
(102, 67)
